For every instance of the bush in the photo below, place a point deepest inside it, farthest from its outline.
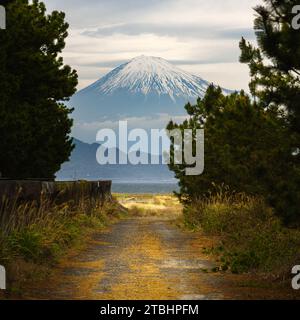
(250, 236)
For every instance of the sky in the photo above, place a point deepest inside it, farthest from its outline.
(199, 36)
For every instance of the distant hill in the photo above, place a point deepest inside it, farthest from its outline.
(83, 165)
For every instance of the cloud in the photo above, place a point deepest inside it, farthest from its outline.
(83, 14)
(178, 30)
(86, 131)
(199, 36)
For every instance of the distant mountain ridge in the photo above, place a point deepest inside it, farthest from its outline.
(83, 165)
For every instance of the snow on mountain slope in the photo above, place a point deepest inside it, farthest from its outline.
(148, 91)
(150, 75)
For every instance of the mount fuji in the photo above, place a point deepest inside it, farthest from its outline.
(143, 87)
(147, 92)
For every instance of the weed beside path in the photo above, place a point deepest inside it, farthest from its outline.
(149, 255)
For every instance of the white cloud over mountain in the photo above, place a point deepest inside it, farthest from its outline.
(199, 36)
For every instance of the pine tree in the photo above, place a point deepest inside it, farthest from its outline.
(252, 144)
(275, 66)
(246, 149)
(275, 83)
(35, 124)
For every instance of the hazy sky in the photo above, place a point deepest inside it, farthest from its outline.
(200, 36)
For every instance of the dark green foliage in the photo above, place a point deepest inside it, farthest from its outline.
(246, 148)
(276, 82)
(34, 82)
(252, 144)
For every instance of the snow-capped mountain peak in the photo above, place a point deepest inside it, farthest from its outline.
(150, 75)
(141, 89)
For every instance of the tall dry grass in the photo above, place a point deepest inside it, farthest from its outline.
(39, 232)
(249, 236)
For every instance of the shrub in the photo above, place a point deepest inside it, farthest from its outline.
(250, 236)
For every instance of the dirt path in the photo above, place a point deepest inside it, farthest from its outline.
(144, 257)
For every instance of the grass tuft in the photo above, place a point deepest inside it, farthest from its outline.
(33, 236)
(250, 237)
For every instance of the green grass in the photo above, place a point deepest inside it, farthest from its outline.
(250, 237)
(34, 237)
